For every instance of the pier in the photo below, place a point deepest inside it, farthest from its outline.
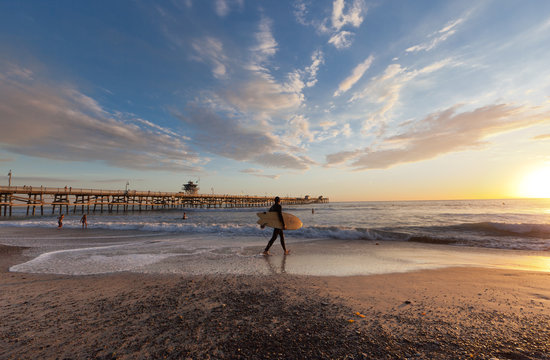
(38, 200)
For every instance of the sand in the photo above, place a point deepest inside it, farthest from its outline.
(452, 313)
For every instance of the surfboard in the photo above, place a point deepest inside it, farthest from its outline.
(271, 219)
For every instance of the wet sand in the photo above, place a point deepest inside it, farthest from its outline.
(453, 313)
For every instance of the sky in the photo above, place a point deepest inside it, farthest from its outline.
(347, 99)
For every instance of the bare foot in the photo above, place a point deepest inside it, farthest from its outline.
(265, 253)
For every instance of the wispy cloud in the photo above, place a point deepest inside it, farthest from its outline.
(259, 173)
(262, 93)
(341, 157)
(285, 161)
(438, 37)
(61, 123)
(541, 137)
(223, 7)
(229, 137)
(317, 59)
(441, 133)
(300, 12)
(353, 16)
(342, 39)
(210, 50)
(342, 16)
(386, 88)
(226, 136)
(298, 130)
(266, 45)
(356, 74)
(257, 91)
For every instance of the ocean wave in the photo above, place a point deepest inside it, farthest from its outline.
(505, 229)
(480, 234)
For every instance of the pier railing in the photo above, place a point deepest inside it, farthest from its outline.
(92, 200)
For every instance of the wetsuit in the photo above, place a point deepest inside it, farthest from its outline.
(277, 232)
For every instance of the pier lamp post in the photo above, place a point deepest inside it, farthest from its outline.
(9, 178)
(127, 184)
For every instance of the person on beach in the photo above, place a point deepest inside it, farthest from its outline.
(84, 221)
(184, 216)
(60, 221)
(277, 232)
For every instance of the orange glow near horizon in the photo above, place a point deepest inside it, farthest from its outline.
(536, 184)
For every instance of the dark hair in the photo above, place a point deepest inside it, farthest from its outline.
(277, 199)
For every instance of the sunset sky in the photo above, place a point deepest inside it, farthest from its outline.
(350, 99)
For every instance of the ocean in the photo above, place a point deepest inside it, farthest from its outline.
(151, 239)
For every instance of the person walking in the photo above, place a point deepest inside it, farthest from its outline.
(84, 221)
(60, 221)
(277, 232)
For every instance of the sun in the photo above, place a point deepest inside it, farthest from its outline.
(536, 184)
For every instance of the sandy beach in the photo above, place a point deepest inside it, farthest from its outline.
(452, 313)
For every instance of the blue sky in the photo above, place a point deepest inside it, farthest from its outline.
(350, 99)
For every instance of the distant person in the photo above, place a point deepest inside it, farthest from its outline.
(60, 221)
(313, 211)
(184, 216)
(277, 232)
(84, 221)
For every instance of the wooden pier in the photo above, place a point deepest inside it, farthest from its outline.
(39, 200)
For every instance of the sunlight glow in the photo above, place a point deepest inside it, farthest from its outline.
(536, 184)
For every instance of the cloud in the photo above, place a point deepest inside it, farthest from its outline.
(352, 17)
(210, 50)
(60, 123)
(317, 59)
(229, 137)
(343, 16)
(386, 89)
(257, 90)
(541, 137)
(259, 173)
(356, 74)
(223, 7)
(299, 130)
(226, 136)
(438, 37)
(300, 12)
(441, 133)
(284, 161)
(341, 157)
(341, 40)
(261, 93)
(266, 45)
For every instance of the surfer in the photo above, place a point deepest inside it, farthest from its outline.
(277, 232)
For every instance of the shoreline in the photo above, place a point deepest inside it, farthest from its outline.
(444, 313)
(96, 251)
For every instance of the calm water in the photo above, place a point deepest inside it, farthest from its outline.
(504, 224)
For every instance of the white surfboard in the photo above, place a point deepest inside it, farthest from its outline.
(271, 219)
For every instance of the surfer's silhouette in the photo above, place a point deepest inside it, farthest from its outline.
(277, 232)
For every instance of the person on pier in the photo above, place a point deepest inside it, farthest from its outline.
(277, 232)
